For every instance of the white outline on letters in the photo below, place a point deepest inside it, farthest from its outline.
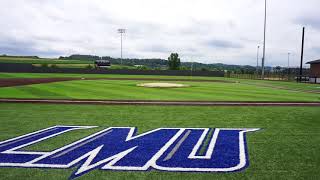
(110, 161)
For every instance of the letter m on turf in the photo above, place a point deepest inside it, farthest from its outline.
(112, 148)
(119, 148)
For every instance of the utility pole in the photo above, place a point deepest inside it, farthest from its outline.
(288, 66)
(264, 39)
(258, 60)
(121, 31)
(302, 49)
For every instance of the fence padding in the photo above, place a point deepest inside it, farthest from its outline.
(29, 68)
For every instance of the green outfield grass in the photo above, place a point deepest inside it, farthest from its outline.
(58, 63)
(127, 90)
(41, 61)
(287, 147)
(78, 65)
(279, 84)
(54, 75)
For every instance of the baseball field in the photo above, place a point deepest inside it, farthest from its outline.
(287, 145)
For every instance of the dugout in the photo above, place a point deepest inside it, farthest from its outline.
(102, 63)
(314, 71)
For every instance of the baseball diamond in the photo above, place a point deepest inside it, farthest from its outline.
(159, 90)
(202, 127)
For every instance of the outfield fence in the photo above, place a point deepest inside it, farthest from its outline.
(268, 76)
(277, 77)
(29, 68)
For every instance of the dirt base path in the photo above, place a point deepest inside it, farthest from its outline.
(159, 103)
(8, 82)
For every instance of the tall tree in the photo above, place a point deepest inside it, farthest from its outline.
(174, 61)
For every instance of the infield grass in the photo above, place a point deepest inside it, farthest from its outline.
(127, 90)
(287, 147)
(276, 84)
(61, 75)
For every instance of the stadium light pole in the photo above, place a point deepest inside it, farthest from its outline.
(121, 31)
(264, 39)
(258, 60)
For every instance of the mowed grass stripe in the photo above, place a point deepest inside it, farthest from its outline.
(126, 90)
(160, 94)
(207, 90)
(202, 91)
(53, 75)
(34, 91)
(75, 89)
(243, 92)
(51, 92)
(15, 92)
(100, 90)
(277, 84)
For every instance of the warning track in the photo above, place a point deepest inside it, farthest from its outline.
(158, 103)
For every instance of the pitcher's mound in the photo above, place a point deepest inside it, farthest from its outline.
(162, 85)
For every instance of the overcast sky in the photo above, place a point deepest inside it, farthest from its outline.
(208, 31)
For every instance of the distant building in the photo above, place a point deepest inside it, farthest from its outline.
(102, 63)
(314, 71)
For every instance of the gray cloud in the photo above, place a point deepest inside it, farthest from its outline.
(157, 48)
(14, 47)
(313, 22)
(316, 50)
(223, 44)
(203, 30)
